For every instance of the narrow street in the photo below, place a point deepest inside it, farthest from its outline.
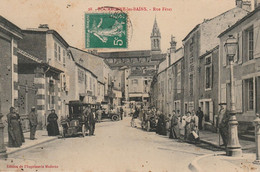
(116, 146)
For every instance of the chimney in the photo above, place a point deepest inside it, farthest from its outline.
(246, 5)
(239, 3)
(173, 44)
(257, 3)
(44, 26)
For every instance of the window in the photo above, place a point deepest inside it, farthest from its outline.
(178, 79)
(191, 84)
(81, 76)
(135, 81)
(250, 33)
(86, 81)
(98, 89)
(170, 85)
(55, 51)
(248, 44)
(249, 94)
(59, 55)
(90, 83)
(208, 73)
(64, 55)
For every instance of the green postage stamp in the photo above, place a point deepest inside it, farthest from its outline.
(106, 30)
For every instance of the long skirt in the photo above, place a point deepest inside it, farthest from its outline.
(53, 129)
(15, 137)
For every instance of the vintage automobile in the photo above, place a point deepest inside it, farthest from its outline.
(75, 122)
(149, 122)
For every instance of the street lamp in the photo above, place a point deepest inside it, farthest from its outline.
(233, 146)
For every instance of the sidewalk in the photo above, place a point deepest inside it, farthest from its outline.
(213, 139)
(41, 135)
(221, 162)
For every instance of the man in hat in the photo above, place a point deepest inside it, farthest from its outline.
(223, 119)
(33, 122)
(91, 121)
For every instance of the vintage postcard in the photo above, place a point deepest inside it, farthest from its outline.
(130, 85)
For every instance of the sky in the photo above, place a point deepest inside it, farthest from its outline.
(67, 17)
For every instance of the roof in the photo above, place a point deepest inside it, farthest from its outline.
(210, 51)
(240, 21)
(195, 28)
(80, 59)
(207, 20)
(10, 27)
(156, 57)
(48, 31)
(126, 54)
(142, 73)
(152, 63)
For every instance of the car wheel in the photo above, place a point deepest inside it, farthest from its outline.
(114, 118)
(83, 130)
(148, 126)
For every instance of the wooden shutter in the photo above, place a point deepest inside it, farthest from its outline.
(240, 48)
(67, 82)
(236, 57)
(238, 94)
(211, 111)
(223, 93)
(256, 40)
(224, 56)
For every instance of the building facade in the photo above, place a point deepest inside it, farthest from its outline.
(10, 34)
(49, 50)
(246, 68)
(196, 45)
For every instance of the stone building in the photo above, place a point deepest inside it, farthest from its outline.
(202, 39)
(10, 34)
(246, 68)
(41, 75)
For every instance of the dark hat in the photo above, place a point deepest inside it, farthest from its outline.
(11, 108)
(222, 104)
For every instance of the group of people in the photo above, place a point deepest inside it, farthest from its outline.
(15, 131)
(174, 123)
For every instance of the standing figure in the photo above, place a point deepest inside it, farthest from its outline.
(174, 130)
(121, 113)
(52, 127)
(99, 115)
(200, 115)
(33, 123)
(194, 122)
(15, 136)
(91, 121)
(187, 126)
(223, 121)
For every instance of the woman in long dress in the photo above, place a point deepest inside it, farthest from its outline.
(15, 135)
(187, 126)
(52, 127)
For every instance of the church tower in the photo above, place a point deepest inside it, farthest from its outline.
(155, 39)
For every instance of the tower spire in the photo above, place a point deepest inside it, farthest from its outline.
(155, 38)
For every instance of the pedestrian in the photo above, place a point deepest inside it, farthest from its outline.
(200, 115)
(223, 120)
(33, 122)
(159, 123)
(52, 127)
(121, 113)
(91, 121)
(187, 125)
(15, 135)
(99, 114)
(174, 129)
(194, 122)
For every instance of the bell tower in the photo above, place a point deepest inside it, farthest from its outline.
(155, 39)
